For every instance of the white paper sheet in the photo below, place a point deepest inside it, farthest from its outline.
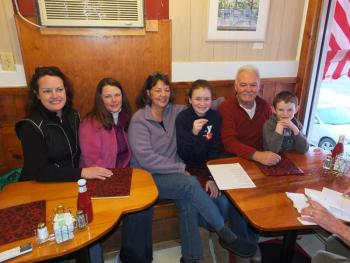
(299, 200)
(230, 176)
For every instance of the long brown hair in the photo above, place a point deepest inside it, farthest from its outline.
(99, 111)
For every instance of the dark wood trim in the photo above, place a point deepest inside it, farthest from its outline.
(13, 91)
(307, 54)
(224, 88)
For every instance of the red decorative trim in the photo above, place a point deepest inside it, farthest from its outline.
(27, 7)
(157, 9)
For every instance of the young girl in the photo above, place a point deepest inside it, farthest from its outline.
(198, 140)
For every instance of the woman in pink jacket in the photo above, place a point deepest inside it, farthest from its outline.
(103, 139)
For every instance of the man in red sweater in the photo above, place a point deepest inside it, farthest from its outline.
(243, 117)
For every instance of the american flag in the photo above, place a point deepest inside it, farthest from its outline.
(338, 55)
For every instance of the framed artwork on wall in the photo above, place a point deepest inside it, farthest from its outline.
(237, 20)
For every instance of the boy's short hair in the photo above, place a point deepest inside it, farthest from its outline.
(285, 96)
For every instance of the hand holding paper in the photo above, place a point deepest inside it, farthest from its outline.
(326, 201)
(316, 213)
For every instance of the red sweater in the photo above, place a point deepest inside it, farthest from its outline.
(241, 135)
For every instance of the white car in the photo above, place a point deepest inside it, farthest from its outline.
(330, 122)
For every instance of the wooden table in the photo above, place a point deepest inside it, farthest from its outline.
(107, 212)
(267, 207)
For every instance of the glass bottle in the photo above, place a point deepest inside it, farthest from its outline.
(81, 219)
(339, 147)
(327, 163)
(84, 200)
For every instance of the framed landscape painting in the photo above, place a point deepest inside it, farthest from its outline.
(237, 20)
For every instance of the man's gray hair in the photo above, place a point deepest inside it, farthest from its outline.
(248, 68)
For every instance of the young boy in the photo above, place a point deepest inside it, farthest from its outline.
(282, 132)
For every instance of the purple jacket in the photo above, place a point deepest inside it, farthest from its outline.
(153, 148)
(99, 145)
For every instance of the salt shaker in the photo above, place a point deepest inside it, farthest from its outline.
(42, 233)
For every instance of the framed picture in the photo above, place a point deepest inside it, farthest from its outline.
(237, 20)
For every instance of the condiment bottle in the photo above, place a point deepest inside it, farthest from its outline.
(339, 147)
(84, 200)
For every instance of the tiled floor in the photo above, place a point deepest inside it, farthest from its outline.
(170, 252)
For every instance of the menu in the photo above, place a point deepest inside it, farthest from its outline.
(283, 167)
(19, 222)
(116, 186)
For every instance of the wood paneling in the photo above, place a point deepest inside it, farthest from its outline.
(307, 54)
(190, 23)
(87, 59)
(12, 104)
(11, 151)
(163, 229)
(224, 88)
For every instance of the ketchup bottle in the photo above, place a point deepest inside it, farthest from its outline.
(339, 147)
(84, 200)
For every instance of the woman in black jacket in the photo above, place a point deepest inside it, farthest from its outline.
(49, 134)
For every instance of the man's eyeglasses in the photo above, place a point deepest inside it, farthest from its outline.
(244, 84)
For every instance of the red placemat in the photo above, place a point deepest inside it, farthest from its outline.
(202, 174)
(284, 167)
(19, 222)
(118, 185)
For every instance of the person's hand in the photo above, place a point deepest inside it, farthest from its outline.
(198, 125)
(187, 173)
(280, 126)
(316, 213)
(289, 124)
(210, 186)
(96, 173)
(266, 158)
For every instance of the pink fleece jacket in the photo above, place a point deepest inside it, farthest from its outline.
(99, 146)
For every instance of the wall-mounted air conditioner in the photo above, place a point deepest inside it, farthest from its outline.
(91, 13)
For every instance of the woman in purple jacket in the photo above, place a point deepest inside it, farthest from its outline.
(104, 142)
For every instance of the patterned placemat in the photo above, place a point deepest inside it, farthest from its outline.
(118, 185)
(284, 167)
(19, 222)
